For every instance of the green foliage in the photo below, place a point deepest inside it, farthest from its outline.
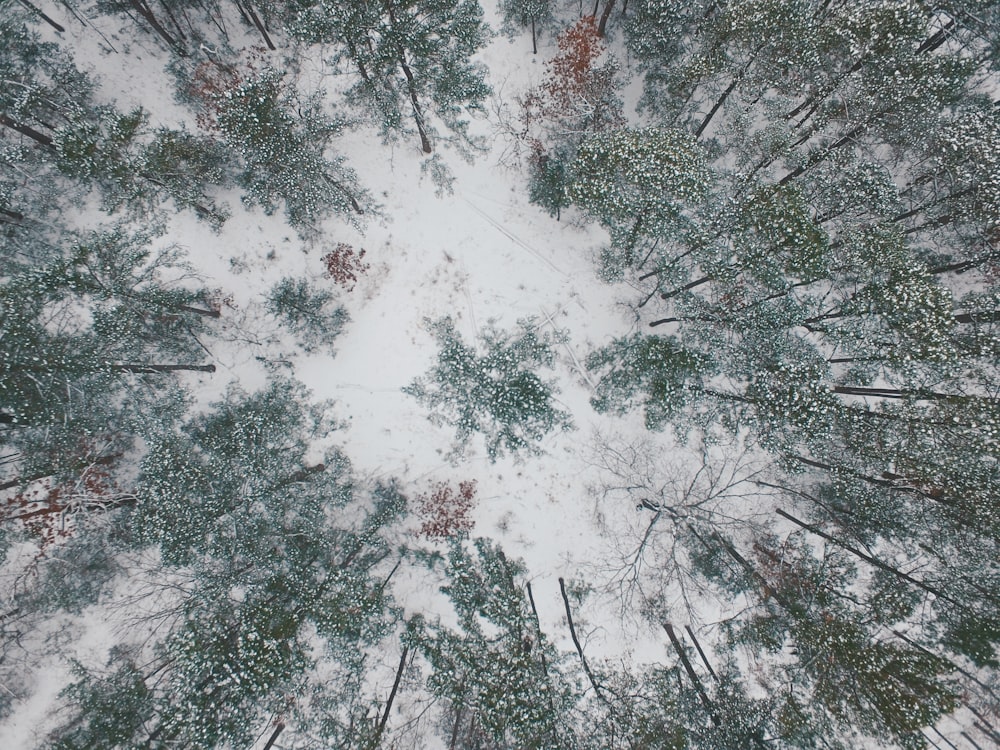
(495, 393)
(644, 175)
(282, 143)
(278, 555)
(111, 706)
(308, 311)
(654, 372)
(497, 665)
(412, 59)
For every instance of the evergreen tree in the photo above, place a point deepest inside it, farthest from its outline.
(307, 311)
(280, 552)
(495, 393)
(282, 144)
(412, 58)
(497, 670)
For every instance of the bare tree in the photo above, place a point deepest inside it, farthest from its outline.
(653, 500)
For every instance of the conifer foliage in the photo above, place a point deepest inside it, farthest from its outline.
(495, 393)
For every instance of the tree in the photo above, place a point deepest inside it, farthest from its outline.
(410, 57)
(308, 311)
(496, 670)
(281, 141)
(278, 553)
(87, 326)
(578, 97)
(534, 13)
(495, 393)
(637, 183)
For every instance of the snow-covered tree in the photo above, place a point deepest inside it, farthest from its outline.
(412, 58)
(497, 671)
(280, 554)
(496, 393)
(308, 311)
(282, 142)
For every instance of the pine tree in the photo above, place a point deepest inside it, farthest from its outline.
(496, 393)
(412, 58)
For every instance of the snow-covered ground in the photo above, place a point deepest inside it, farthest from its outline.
(482, 255)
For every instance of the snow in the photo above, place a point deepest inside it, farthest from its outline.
(481, 254)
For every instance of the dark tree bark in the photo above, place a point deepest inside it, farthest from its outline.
(274, 735)
(27, 130)
(142, 8)
(691, 673)
(576, 642)
(392, 696)
(247, 9)
(603, 25)
(38, 12)
(148, 368)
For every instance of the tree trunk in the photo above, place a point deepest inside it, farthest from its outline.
(868, 558)
(148, 368)
(603, 25)
(686, 287)
(980, 316)
(142, 8)
(691, 673)
(576, 642)
(274, 735)
(33, 134)
(701, 653)
(252, 15)
(725, 94)
(418, 115)
(38, 12)
(392, 696)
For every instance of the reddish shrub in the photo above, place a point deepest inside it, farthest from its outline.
(343, 265)
(445, 512)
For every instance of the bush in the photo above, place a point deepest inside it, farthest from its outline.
(445, 512)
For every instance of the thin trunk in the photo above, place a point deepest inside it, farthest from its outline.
(725, 95)
(142, 8)
(603, 25)
(687, 287)
(534, 38)
(38, 12)
(15, 218)
(173, 20)
(701, 653)
(972, 742)
(981, 316)
(418, 115)
(198, 311)
(459, 711)
(923, 207)
(576, 642)
(339, 186)
(392, 696)
(274, 735)
(257, 24)
(937, 39)
(965, 265)
(988, 728)
(27, 130)
(894, 393)
(868, 558)
(691, 673)
(411, 83)
(147, 368)
(822, 156)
